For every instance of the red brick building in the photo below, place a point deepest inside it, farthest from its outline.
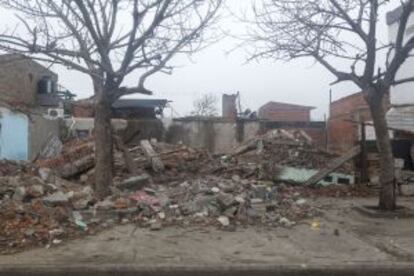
(345, 116)
(284, 112)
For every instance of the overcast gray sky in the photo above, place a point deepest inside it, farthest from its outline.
(214, 71)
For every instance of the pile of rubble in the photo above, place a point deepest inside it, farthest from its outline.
(155, 185)
(37, 207)
(51, 200)
(210, 201)
(263, 156)
(45, 212)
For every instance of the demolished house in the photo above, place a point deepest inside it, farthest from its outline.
(223, 134)
(158, 185)
(257, 178)
(31, 106)
(133, 119)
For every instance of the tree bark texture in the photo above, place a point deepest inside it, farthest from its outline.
(387, 199)
(103, 142)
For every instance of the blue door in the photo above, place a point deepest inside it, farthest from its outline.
(14, 135)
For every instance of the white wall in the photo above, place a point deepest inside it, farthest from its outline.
(218, 136)
(404, 93)
(14, 135)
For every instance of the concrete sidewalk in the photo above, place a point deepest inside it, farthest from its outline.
(341, 242)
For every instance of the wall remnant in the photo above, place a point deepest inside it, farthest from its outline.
(345, 116)
(221, 135)
(229, 106)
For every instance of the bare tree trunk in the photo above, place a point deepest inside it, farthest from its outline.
(387, 200)
(103, 143)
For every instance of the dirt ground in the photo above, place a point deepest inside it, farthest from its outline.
(339, 236)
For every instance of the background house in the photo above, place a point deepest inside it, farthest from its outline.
(123, 108)
(344, 124)
(132, 119)
(24, 81)
(285, 112)
(401, 115)
(29, 107)
(402, 94)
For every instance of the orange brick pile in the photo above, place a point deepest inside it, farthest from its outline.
(72, 151)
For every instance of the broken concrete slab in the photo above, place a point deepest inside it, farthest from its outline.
(58, 198)
(335, 164)
(156, 226)
(303, 176)
(135, 183)
(52, 148)
(77, 167)
(35, 191)
(20, 193)
(152, 156)
(93, 215)
(224, 221)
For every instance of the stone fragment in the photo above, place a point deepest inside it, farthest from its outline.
(301, 201)
(240, 199)
(231, 212)
(121, 203)
(29, 232)
(226, 200)
(227, 187)
(256, 201)
(106, 204)
(35, 191)
(135, 183)
(45, 174)
(20, 193)
(156, 226)
(84, 178)
(286, 222)
(15, 181)
(215, 190)
(225, 221)
(151, 192)
(58, 198)
(236, 178)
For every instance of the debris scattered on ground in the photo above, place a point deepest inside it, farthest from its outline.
(264, 156)
(52, 200)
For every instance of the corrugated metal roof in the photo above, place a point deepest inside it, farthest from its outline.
(401, 118)
(143, 103)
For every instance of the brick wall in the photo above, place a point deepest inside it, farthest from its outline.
(343, 128)
(19, 77)
(318, 136)
(82, 110)
(285, 112)
(229, 108)
(349, 106)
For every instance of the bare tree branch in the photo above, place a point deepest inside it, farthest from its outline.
(110, 39)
